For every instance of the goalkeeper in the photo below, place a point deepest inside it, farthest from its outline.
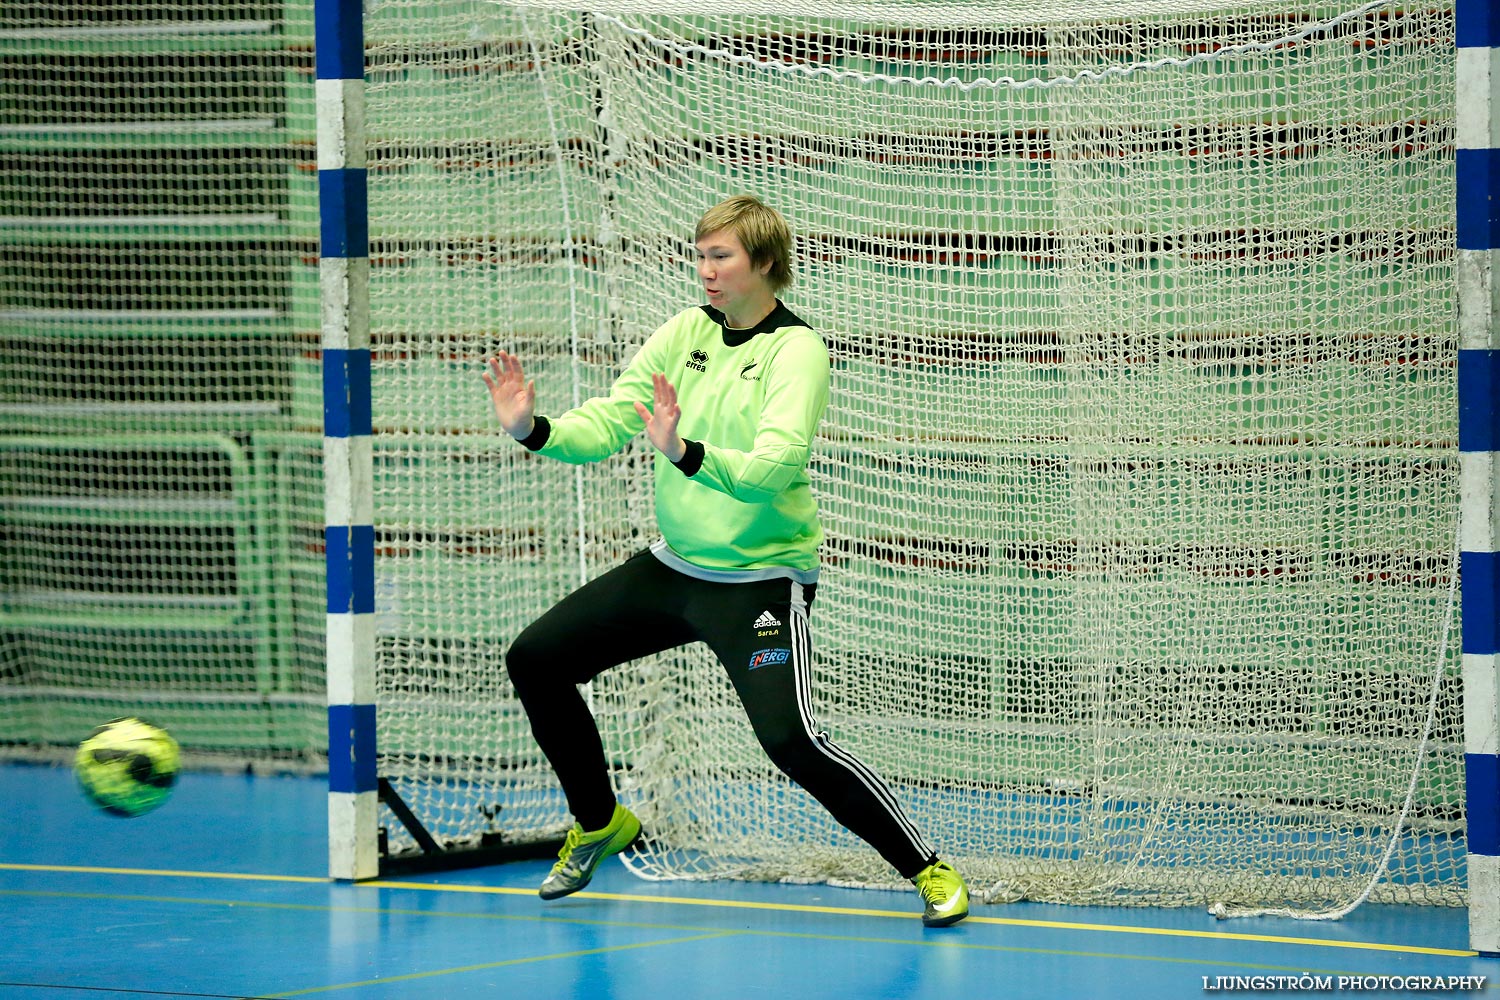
(730, 394)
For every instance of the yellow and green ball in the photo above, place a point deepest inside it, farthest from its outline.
(127, 767)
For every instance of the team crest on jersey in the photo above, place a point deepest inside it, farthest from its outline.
(748, 372)
(698, 361)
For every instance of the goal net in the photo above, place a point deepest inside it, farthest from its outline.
(157, 199)
(1139, 470)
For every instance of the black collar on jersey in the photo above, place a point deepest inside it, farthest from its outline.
(780, 316)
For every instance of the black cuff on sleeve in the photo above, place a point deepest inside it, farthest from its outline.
(539, 434)
(692, 458)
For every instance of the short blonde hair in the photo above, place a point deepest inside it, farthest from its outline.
(761, 230)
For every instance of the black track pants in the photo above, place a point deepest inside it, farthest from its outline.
(759, 632)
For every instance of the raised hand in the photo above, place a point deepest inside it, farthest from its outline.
(661, 419)
(514, 397)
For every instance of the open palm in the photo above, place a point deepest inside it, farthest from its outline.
(514, 398)
(661, 419)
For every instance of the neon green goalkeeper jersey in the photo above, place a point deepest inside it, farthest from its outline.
(738, 505)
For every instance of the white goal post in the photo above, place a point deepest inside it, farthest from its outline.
(1140, 473)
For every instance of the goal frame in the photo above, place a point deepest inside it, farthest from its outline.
(353, 782)
(349, 531)
(1477, 31)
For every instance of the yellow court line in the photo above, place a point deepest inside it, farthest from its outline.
(949, 941)
(168, 873)
(731, 904)
(498, 965)
(946, 941)
(972, 918)
(694, 934)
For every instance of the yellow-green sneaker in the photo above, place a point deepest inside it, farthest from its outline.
(946, 895)
(582, 851)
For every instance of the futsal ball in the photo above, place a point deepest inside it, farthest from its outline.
(127, 767)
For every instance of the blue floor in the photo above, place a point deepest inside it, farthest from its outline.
(222, 893)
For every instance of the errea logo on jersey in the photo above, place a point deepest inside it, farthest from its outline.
(698, 361)
(769, 657)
